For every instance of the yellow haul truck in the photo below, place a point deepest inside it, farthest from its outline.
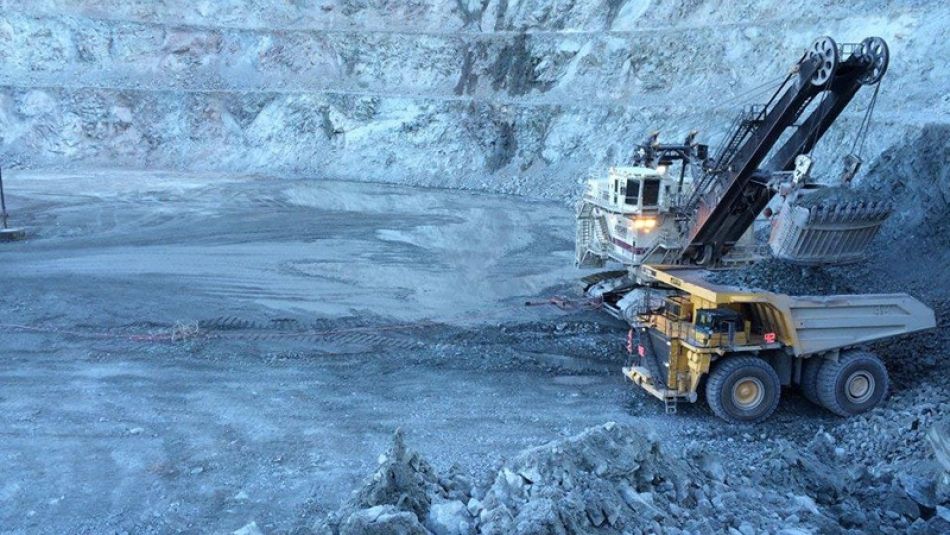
(748, 344)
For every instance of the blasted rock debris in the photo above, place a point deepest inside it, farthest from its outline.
(382, 520)
(837, 195)
(403, 479)
(607, 477)
(401, 496)
(613, 479)
(774, 275)
(939, 437)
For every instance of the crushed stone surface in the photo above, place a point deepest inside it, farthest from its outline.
(777, 276)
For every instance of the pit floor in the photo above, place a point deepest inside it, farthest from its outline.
(311, 319)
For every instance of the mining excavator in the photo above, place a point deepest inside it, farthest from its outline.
(667, 231)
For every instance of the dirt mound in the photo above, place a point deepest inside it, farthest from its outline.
(774, 275)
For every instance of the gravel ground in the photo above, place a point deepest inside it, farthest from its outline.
(200, 353)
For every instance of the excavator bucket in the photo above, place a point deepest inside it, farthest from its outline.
(828, 226)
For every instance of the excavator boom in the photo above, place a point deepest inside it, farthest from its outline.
(733, 190)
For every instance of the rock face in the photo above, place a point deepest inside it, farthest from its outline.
(523, 96)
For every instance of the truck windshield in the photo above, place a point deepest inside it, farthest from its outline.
(704, 320)
(715, 320)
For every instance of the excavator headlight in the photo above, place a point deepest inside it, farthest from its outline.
(644, 223)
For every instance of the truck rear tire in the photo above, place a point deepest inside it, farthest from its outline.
(743, 389)
(809, 381)
(854, 384)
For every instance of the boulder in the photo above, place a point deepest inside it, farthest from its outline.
(382, 520)
(939, 438)
(449, 518)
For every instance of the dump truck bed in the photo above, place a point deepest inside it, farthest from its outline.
(823, 323)
(809, 324)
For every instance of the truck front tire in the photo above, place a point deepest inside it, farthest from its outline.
(854, 384)
(743, 389)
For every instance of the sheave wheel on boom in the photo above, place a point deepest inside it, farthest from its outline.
(825, 50)
(875, 52)
(743, 390)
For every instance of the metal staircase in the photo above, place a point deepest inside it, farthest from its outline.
(591, 238)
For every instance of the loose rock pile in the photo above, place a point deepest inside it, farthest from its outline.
(613, 479)
(838, 195)
(774, 275)
(404, 496)
(850, 495)
(608, 477)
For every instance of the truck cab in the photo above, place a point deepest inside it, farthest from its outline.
(720, 327)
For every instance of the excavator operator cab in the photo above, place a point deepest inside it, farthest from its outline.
(631, 190)
(643, 192)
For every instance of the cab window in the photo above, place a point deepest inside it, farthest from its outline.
(633, 191)
(651, 192)
(717, 320)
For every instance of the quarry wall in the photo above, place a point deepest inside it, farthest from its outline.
(504, 95)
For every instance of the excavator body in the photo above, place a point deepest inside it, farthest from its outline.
(625, 217)
(707, 215)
